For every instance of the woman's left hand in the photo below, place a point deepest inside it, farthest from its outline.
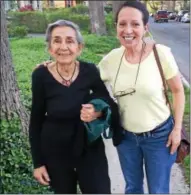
(88, 113)
(174, 140)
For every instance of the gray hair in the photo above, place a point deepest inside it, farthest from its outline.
(63, 23)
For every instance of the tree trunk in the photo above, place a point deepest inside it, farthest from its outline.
(185, 4)
(173, 5)
(10, 101)
(161, 3)
(169, 5)
(97, 18)
(145, 2)
(40, 5)
(52, 3)
(79, 1)
(115, 6)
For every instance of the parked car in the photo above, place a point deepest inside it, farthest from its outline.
(181, 14)
(169, 12)
(186, 18)
(172, 16)
(160, 16)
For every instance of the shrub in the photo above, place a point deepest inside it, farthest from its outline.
(18, 31)
(51, 9)
(110, 26)
(56, 15)
(26, 8)
(83, 21)
(80, 9)
(100, 44)
(35, 21)
(16, 164)
(89, 56)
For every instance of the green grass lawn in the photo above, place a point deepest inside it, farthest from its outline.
(186, 163)
(29, 52)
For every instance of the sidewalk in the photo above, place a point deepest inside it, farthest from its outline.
(177, 185)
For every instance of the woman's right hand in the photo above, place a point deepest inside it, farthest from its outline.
(41, 175)
(45, 63)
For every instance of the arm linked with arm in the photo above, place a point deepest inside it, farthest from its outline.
(101, 91)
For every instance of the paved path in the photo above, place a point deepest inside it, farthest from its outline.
(177, 185)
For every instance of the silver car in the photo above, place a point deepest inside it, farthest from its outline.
(186, 18)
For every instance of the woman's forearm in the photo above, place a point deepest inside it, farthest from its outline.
(178, 108)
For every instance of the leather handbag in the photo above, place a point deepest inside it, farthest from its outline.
(184, 147)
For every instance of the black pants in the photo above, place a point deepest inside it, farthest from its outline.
(91, 173)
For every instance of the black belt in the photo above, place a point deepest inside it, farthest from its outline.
(144, 134)
(149, 133)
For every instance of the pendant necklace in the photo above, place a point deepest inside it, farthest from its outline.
(66, 82)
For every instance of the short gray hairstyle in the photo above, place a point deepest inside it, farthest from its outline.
(63, 23)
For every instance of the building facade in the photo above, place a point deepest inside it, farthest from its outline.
(38, 4)
(58, 4)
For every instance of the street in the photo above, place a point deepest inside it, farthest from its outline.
(176, 36)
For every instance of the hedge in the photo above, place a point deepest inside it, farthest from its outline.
(110, 26)
(80, 9)
(36, 21)
(83, 21)
(17, 31)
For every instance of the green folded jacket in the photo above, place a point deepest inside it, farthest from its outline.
(100, 125)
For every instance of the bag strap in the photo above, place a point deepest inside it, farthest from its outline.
(162, 76)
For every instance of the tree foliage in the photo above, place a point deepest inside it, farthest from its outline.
(155, 5)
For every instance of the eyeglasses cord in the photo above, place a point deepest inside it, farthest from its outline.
(143, 47)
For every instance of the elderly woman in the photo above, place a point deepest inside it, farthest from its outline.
(60, 154)
(151, 134)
